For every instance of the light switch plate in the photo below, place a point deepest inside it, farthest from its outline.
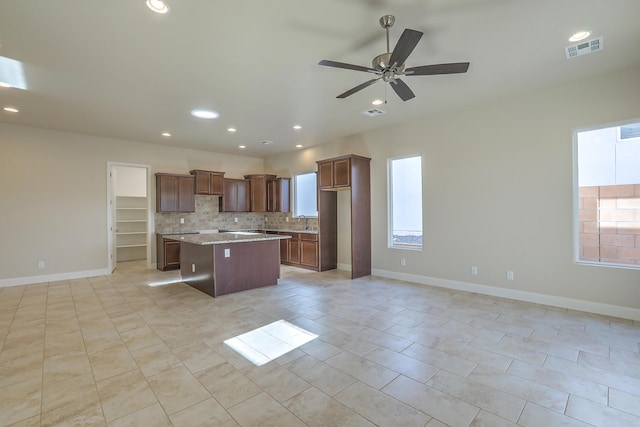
(227, 252)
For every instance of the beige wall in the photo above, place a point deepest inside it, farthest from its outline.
(498, 189)
(53, 194)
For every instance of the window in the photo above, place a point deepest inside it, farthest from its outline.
(405, 202)
(304, 195)
(628, 132)
(607, 196)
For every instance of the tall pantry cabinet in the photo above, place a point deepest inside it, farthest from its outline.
(345, 173)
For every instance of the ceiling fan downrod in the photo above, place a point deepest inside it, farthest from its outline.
(387, 22)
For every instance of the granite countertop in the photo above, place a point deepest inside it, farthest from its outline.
(224, 238)
(208, 232)
(292, 230)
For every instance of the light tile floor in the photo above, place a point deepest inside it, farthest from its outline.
(114, 351)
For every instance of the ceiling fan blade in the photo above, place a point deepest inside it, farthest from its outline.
(357, 88)
(408, 41)
(402, 90)
(346, 66)
(426, 70)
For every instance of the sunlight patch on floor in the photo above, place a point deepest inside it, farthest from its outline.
(269, 342)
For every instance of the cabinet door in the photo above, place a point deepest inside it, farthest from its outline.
(284, 250)
(294, 249)
(171, 254)
(258, 194)
(203, 182)
(342, 173)
(309, 253)
(216, 184)
(166, 193)
(243, 191)
(229, 199)
(186, 194)
(325, 174)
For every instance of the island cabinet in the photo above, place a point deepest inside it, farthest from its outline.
(167, 253)
(235, 195)
(334, 173)
(208, 182)
(258, 194)
(175, 193)
(223, 263)
(278, 195)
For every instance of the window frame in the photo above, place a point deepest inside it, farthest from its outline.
(390, 225)
(576, 195)
(294, 181)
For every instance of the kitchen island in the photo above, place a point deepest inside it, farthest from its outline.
(223, 263)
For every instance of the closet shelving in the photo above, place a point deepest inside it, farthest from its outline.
(131, 228)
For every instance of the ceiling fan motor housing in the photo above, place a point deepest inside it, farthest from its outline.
(381, 62)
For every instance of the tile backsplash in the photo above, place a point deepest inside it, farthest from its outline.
(208, 217)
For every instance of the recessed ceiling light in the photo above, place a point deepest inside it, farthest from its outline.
(205, 114)
(299, 146)
(10, 109)
(166, 134)
(158, 6)
(242, 146)
(378, 102)
(232, 130)
(297, 127)
(3, 84)
(580, 35)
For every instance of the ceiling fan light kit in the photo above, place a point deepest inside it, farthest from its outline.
(388, 66)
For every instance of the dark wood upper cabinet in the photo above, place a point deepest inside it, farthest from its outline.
(175, 193)
(208, 182)
(235, 197)
(334, 173)
(278, 194)
(325, 174)
(258, 195)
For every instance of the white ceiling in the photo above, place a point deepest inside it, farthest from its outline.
(116, 69)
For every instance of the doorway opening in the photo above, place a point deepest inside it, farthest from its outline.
(129, 215)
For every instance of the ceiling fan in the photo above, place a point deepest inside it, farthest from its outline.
(388, 66)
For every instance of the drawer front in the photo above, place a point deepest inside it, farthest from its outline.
(309, 236)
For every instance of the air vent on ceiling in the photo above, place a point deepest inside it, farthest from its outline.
(583, 48)
(266, 142)
(373, 112)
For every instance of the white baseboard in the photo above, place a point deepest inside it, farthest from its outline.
(344, 267)
(53, 277)
(555, 301)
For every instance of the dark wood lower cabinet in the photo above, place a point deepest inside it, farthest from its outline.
(167, 253)
(300, 251)
(309, 253)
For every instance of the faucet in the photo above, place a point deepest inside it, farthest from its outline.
(306, 224)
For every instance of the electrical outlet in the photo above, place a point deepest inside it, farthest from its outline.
(509, 275)
(403, 262)
(40, 264)
(181, 220)
(235, 219)
(266, 219)
(227, 252)
(474, 270)
(286, 219)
